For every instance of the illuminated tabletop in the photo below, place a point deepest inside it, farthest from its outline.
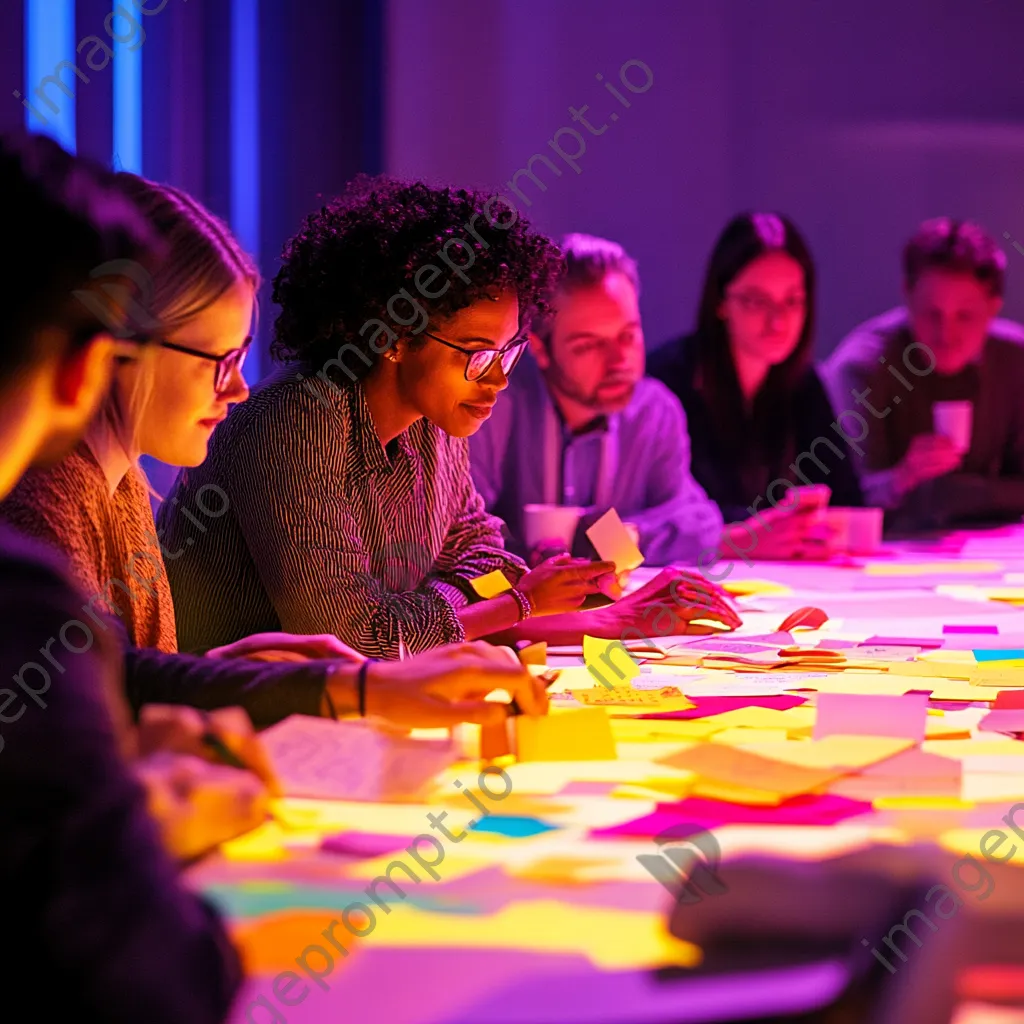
(538, 909)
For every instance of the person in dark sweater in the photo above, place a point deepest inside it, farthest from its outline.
(101, 929)
(944, 350)
(760, 421)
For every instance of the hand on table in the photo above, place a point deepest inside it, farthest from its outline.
(198, 805)
(562, 583)
(448, 685)
(287, 647)
(667, 605)
(929, 456)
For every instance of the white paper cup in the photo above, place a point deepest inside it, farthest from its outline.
(858, 531)
(954, 420)
(550, 522)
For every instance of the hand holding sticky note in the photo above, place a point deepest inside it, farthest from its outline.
(613, 542)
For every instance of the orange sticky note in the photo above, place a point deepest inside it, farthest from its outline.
(534, 654)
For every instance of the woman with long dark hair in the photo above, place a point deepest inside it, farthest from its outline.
(759, 418)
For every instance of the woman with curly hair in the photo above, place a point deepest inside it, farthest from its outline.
(351, 509)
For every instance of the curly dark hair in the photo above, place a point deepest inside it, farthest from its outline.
(369, 250)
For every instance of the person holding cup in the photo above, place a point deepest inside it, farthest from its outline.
(582, 430)
(936, 385)
(760, 420)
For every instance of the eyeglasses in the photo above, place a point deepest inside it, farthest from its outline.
(225, 364)
(480, 360)
(758, 304)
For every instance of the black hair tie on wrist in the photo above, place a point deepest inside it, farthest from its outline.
(361, 686)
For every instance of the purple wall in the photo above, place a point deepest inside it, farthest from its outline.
(859, 120)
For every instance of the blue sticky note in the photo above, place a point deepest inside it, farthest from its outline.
(1006, 654)
(516, 826)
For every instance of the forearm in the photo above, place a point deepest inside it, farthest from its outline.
(564, 629)
(485, 618)
(267, 691)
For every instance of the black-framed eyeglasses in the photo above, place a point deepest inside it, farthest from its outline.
(480, 360)
(225, 364)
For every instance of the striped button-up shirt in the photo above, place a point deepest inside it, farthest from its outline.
(325, 530)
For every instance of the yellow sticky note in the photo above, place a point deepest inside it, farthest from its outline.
(608, 661)
(576, 735)
(930, 568)
(491, 585)
(740, 776)
(666, 699)
(747, 588)
(741, 736)
(613, 543)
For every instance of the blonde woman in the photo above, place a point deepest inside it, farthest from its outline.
(94, 506)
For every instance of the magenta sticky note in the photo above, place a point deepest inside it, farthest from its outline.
(903, 641)
(860, 714)
(707, 706)
(989, 630)
(825, 809)
(365, 844)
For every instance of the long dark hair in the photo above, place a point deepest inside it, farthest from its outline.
(745, 238)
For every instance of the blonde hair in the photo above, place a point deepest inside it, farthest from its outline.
(202, 260)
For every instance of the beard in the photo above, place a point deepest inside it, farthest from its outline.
(592, 399)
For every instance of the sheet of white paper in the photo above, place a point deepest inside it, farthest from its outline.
(321, 758)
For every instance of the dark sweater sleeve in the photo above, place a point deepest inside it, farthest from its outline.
(100, 913)
(267, 691)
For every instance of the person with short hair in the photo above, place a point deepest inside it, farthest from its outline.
(760, 419)
(352, 510)
(944, 345)
(580, 424)
(99, 927)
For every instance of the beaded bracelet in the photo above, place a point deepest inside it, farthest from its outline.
(521, 599)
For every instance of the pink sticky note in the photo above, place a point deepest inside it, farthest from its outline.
(365, 844)
(857, 714)
(1003, 720)
(903, 641)
(990, 630)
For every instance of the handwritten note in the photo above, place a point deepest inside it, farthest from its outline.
(324, 759)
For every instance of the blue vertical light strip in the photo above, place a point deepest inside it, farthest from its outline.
(127, 155)
(49, 40)
(245, 137)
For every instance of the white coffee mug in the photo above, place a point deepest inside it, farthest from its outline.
(550, 522)
(954, 420)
